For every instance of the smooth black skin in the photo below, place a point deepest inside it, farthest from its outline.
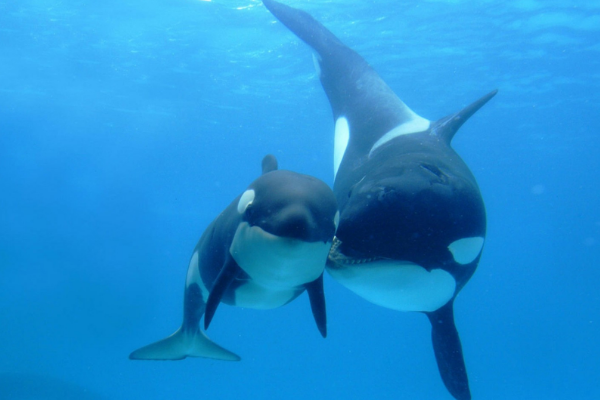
(306, 204)
(410, 198)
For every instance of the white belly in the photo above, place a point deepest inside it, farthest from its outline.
(278, 267)
(399, 285)
(251, 295)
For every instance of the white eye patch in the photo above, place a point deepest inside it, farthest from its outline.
(466, 250)
(336, 220)
(342, 137)
(246, 199)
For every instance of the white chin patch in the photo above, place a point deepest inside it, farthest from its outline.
(399, 285)
(414, 125)
(246, 199)
(466, 250)
(277, 263)
(342, 137)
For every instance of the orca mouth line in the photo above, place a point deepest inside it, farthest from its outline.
(338, 258)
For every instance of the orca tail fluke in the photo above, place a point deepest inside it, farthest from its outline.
(182, 344)
(448, 352)
(355, 90)
(303, 25)
(448, 126)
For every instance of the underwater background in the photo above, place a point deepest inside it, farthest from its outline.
(127, 126)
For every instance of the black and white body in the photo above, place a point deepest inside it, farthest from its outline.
(266, 248)
(412, 220)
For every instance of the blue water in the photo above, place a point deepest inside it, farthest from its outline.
(127, 126)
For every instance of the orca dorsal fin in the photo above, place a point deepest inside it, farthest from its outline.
(269, 163)
(448, 126)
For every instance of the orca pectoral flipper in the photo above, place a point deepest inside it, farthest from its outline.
(316, 295)
(228, 273)
(448, 351)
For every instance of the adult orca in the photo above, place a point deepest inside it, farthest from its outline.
(265, 249)
(412, 220)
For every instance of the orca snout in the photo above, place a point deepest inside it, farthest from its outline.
(298, 222)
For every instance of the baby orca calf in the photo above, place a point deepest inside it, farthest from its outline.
(266, 248)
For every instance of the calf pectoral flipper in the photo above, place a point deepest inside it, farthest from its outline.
(316, 295)
(228, 273)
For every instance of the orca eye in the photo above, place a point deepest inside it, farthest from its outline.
(246, 199)
(442, 177)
